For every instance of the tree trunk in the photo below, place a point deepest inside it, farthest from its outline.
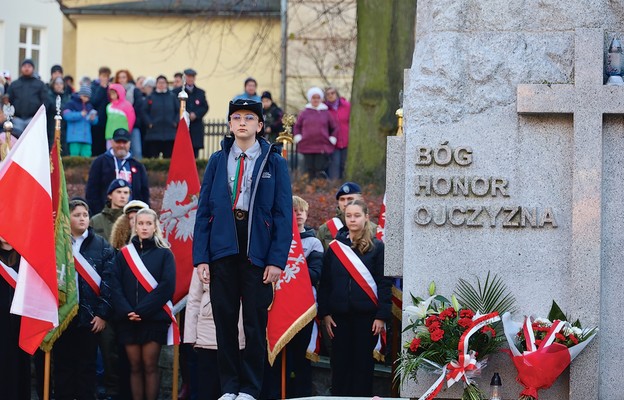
(385, 44)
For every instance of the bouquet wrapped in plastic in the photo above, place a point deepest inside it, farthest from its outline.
(541, 349)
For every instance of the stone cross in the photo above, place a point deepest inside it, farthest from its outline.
(587, 99)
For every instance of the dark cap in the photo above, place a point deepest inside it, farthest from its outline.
(266, 95)
(249, 105)
(348, 188)
(190, 71)
(28, 61)
(56, 68)
(116, 184)
(121, 135)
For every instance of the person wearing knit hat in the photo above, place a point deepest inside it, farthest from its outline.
(80, 116)
(315, 134)
(272, 117)
(118, 196)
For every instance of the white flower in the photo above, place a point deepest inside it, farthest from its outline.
(543, 321)
(420, 311)
(577, 331)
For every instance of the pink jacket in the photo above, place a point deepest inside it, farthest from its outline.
(199, 328)
(315, 128)
(341, 115)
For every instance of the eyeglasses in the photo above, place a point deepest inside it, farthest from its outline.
(247, 117)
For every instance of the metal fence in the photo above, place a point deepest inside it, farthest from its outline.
(216, 129)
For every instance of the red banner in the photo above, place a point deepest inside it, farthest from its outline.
(293, 306)
(179, 207)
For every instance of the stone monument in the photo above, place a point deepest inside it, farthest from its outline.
(512, 162)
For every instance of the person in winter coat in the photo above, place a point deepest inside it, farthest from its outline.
(354, 319)
(200, 331)
(340, 109)
(99, 99)
(143, 322)
(14, 362)
(316, 134)
(118, 196)
(119, 113)
(241, 242)
(272, 117)
(298, 365)
(197, 107)
(116, 163)
(57, 88)
(75, 351)
(135, 97)
(80, 117)
(161, 117)
(26, 94)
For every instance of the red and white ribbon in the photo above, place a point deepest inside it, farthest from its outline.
(8, 274)
(149, 283)
(356, 268)
(467, 360)
(87, 272)
(550, 337)
(334, 225)
(529, 335)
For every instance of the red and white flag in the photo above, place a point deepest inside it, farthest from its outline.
(381, 224)
(28, 225)
(179, 208)
(293, 306)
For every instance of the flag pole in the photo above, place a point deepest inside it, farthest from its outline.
(57, 122)
(288, 120)
(46, 376)
(284, 372)
(6, 146)
(183, 97)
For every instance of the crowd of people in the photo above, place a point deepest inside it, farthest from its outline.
(148, 108)
(241, 243)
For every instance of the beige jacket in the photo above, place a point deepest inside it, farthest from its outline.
(199, 328)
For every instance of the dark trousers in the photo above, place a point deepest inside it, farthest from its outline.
(110, 358)
(337, 164)
(74, 356)
(153, 148)
(209, 387)
(298, 369)
(234, 280)
(352, 363)
(14, 362)
(315, 165)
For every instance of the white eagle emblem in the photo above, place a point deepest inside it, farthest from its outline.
(178, 214)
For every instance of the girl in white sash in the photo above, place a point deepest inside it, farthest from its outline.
(354, 302)
(143, 322)
(14, 362)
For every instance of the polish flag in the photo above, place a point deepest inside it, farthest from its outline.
(28, 225)
(179, 206)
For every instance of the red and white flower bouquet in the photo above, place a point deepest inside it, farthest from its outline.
(541, 349)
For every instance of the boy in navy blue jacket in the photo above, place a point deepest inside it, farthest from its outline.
(242, 237)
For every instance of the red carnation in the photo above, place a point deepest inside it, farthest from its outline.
(464, 322)
(434, 326)
(574, 339)
(437, 335)
(489, 329)
(448, 313)
(414, 345)
(466, 313)
(431, 319)
(559, 336)
(538, 342)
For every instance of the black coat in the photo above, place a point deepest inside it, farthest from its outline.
(162, 112)
(198, 104)
(129, 295)
(99, 99)
(102, 173)
(27, 94)
(340, 294)
(101, 255)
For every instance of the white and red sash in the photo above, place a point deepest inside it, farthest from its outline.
(356, 268)
(8, 274)
(87, 272)
(149, 283)
(334, 225)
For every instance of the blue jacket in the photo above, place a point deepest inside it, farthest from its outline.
(270, 210)
(78, 126)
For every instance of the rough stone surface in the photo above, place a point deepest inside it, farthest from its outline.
(463, 87)
(394, 207)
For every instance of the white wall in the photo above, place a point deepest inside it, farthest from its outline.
(42, 14)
